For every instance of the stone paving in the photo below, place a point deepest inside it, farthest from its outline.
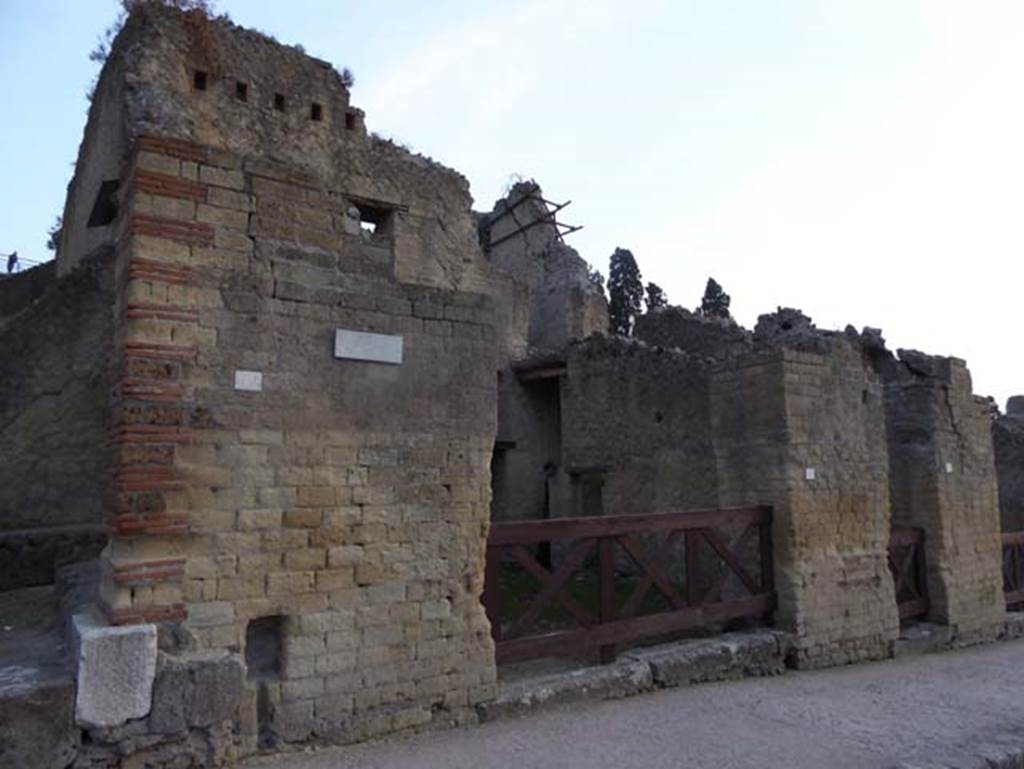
(959, 709)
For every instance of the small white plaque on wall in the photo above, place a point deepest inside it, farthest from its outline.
(362, 345)
(249, 381)
(949, 468)
(809, 473)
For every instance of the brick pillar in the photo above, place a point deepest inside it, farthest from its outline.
(152, 414)
(944, 481)
(805, 433)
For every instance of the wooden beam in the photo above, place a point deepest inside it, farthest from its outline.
(551, 372)
(527, 532)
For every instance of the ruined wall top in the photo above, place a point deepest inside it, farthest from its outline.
(212, 82)
(1015, 407)
(206, 81)
(677, 327)
(522, 240)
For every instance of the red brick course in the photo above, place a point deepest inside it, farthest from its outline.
(193, 233)
(175, 148)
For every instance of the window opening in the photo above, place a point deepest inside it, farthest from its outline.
(375, 220)
(104, 210)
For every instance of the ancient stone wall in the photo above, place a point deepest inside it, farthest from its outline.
(272, 366)
(638, 417)
(944, 481)
(54, 387)
(210, 82)
(347, 498)
(678, 328)
(805, 433)
(522, 240)
(1008, 440)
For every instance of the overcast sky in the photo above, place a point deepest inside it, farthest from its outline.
(862, 160)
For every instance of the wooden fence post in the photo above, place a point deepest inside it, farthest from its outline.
(608, 598)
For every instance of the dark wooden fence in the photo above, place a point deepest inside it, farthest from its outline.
(906, 562)
(698, 563)
(1013, 568)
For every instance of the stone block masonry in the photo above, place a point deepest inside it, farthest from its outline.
(314, 499)
(943, 478)
(805, 433)
(638, 418)
(271, 366)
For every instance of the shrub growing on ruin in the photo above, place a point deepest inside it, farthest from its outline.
(102, 50)
(625, 291)
(53, 234)
(715, 303)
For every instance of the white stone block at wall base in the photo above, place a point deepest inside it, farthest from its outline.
(116, 667)
(362, 345)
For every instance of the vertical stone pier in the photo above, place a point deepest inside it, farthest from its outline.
(943, 480)
(804, 432)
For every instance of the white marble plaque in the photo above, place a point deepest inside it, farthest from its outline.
(249, 381)
(362, 345)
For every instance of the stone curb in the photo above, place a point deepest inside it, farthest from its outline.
(727, 657)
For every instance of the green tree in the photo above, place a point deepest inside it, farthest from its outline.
(655, 297)
(625, 291)
(715, 303)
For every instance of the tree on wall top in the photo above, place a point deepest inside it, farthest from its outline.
(625, 291)
(715, 303)
(655, 297)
